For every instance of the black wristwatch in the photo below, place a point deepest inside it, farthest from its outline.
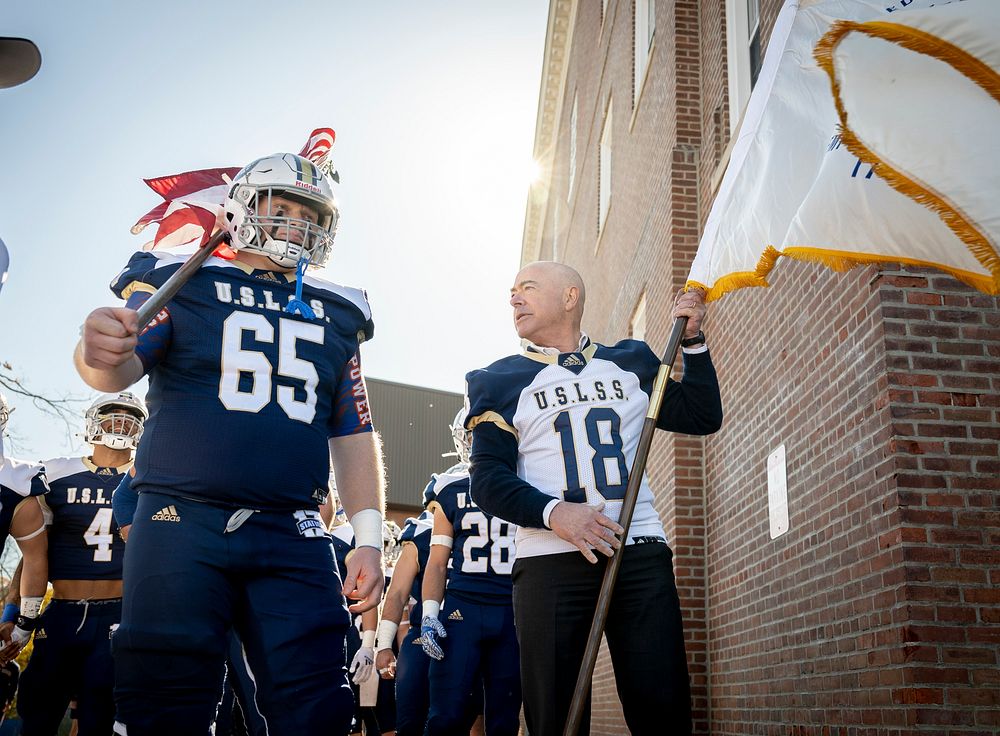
(690, 342)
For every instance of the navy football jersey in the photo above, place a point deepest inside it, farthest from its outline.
(240, 391)
(84, 543)
(18, 480)
(418, 533)
(483, 551)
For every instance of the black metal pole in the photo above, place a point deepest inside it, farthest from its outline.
(628, 507)
(152, 306)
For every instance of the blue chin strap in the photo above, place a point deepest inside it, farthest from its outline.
(296, 305)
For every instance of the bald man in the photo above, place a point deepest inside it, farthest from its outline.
(555, 430)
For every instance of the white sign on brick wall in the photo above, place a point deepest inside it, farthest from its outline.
(777, 492)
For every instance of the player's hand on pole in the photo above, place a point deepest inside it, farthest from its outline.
(430, 630)
(690, 304)
(365, 579)
(585, 527)
(385, 663)
(108, 337)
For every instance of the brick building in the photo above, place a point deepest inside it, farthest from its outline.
(878, 611)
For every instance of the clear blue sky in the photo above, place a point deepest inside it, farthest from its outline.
(434, 106)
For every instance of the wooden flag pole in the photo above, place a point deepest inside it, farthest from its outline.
(582, 691)
(152, 306)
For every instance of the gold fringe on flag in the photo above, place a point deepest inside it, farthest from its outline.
(966, 64)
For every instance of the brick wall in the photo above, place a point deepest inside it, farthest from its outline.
(878, 611)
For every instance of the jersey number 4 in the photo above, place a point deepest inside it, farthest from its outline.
(236, 361)
(98, 535)
(603, 429)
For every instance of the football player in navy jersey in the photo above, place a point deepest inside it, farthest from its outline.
(555, 431)
(478, 616)
(72, 655)
(255, 385)
(21, 518)
(409, 669)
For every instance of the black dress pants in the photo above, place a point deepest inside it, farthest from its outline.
(555, 597)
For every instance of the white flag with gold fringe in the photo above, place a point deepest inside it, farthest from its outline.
(868, 139)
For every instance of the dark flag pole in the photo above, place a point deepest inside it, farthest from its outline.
(628, 506)
(152, 306)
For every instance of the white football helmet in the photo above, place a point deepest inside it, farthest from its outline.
(115, 421)
(390, 541)
(461, 436)
(284, 175)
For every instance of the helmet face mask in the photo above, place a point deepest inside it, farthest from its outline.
(115, 421)
(255, 222)
(461, 436)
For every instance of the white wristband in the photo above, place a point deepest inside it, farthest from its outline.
(386, 634)
(431, 608)
(442, 540)
(367, 525)
(368, 639)
(30, 606)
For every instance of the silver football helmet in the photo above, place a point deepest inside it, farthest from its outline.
(390, 541)
(256, 225)
(115, 421)
(461, 436)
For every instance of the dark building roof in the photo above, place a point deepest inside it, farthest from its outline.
(413, 422)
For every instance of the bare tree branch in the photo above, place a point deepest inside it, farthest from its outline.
(67, 408)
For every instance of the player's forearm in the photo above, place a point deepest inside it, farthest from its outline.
(395, 600)
(435, 574)
(14, 590)
(35, 575)
(357, 462)
(693, 405)
(108, 379)
(369, 619)
(495, 485)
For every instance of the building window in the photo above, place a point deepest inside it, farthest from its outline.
(572, 149)
(604, 173)
(744, 54)
(637, 327)
(645, 28)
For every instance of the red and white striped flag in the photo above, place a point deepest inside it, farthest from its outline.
(317, 148)
(192, 209)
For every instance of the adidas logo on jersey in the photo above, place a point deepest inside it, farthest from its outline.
(40, 634)
(572, 360)
(167, 513)
(455, 615)
(105, 471)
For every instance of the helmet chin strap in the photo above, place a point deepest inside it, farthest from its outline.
(296, 305)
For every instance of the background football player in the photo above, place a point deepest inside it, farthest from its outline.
(72, 656)
(21, 517)
(478, 616)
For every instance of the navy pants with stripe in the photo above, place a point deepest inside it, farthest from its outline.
(480, 657)
(412, 666)
(71, 658)
(188, 582)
